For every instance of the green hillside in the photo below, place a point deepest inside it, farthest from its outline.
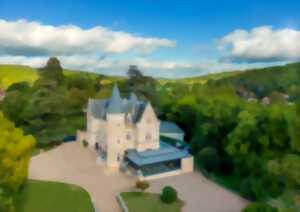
(202, 79)
(281, 77)
(10, 74)
(265, 81)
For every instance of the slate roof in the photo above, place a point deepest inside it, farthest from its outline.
(166, 152)
(170, 127)
(115, 102)
(132, 106)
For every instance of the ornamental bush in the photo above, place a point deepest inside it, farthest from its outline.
(143, 185)
(208, 156)
(168, 195)
(85, 143)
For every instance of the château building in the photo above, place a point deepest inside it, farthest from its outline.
(127, 133)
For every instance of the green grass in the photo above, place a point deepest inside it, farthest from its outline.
(201, 79)
(148, 202)
(44, 196)
(10, 74)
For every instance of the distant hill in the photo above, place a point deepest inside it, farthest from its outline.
(264, 81)
(202, 79)
(10, 74)
(260, 81)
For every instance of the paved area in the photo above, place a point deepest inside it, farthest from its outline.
(72, 163)
(200, 194)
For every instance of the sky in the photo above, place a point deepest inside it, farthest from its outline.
(164, 38)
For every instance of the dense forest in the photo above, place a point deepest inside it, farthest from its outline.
(242, 128)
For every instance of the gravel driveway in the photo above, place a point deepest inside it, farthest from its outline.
(72, 163)
(200, 194)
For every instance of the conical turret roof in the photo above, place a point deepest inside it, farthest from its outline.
(115, 102)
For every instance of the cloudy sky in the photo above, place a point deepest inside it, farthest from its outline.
(164, 38)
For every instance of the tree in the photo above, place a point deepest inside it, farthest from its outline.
(52, 70)
(296, 129)
(208, 157)
(168, 195)
(259, 207)
(143, 185)
(288, 166)
(143, 86)
(134, 72)
(16, 149)
(52, 107)
(239, 139)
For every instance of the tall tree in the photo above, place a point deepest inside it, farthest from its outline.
(134, 72)
(52, 70)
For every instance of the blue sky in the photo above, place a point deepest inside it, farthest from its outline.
(165, 38)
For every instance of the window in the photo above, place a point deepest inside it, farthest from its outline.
(118, 141)
(148, 136)
(128, 136)
(148, 120)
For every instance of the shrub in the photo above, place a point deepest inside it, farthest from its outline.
(209, 159)
(85, 143)
(168, 195)
(226, 166)
(259, 207)
(143, 185)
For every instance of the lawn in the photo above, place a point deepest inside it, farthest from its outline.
(148, 202)
(44, 196)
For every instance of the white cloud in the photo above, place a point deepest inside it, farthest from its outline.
(27, 38)
(262, 44)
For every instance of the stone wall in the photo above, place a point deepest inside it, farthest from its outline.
(187, 164)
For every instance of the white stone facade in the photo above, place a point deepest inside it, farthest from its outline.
(115, 132)
(118, 128)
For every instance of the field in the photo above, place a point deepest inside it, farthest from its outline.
(43, 196)
(10, 74)
(147, 202)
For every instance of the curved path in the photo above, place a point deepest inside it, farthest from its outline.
(72, 163)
